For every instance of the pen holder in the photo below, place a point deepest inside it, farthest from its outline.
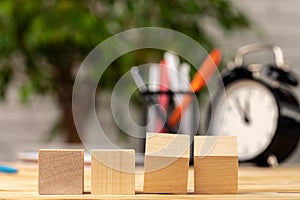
(159, 113)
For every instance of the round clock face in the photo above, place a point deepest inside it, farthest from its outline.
(250, 113)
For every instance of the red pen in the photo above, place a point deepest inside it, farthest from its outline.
(164, 87)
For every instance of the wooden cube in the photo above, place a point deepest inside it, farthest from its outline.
(215, 164)
(113, 172)
(166, 163)
(60, 171)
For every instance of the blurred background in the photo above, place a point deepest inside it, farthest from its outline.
(42, 44)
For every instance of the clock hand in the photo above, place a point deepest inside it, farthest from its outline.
(239, 106)
(242, 111)
(247, 108)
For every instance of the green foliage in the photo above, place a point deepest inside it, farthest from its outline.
(53, 36)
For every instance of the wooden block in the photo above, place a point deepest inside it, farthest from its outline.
(113, 172)
(166, 163)
(60, 171)
(215, 164)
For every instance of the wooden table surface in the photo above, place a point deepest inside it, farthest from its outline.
(254, 183)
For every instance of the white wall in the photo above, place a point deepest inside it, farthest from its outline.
(22, 125)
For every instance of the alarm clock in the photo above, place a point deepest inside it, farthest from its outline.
(259, 108)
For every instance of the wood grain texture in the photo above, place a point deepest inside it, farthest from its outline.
(170, 179)
(215, 146)
(167, 145)
(254, 183)
(113, 172)
(166, 163)
(215, 165)
(60, 171)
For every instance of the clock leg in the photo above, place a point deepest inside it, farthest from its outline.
(272, 161)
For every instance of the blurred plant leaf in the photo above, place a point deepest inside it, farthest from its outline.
(26, 91)
(54, 36)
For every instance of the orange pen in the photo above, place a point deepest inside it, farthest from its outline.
(203, 74)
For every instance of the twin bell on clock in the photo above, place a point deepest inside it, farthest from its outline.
(259, 107)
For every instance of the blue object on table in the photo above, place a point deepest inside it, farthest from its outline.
(8, 169)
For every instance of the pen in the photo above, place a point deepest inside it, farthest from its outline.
(149, 99)
(154, 124)
(164, 85)
(8, 169)
(154, 78)
(204, 72)
(163, 99)
(185, 127)
(172, 62)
